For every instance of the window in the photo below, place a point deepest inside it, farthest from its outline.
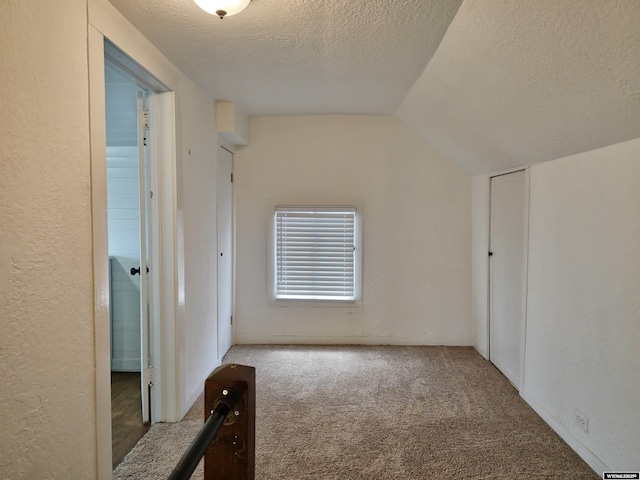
(316, 253)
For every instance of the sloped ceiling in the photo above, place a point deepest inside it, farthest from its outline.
(493, 84)
(520, 82)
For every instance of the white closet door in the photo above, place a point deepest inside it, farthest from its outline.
(507, 268)
(225, 251)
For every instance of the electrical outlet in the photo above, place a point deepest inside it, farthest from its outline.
(582, 421)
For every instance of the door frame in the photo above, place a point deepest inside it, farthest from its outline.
(232, 253)
(147, 181)
(481, 195)
(523, 292)
(103, 18)
(152, 315)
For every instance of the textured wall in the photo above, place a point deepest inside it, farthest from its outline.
(583, 327)
(416, 230)
(199, 340)
(46, 319)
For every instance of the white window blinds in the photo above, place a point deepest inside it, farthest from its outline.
(315, 253)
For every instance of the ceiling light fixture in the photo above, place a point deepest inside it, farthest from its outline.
(222, 8)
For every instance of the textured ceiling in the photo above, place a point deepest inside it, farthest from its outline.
(519, 82)
(505, 83)
(297, 56)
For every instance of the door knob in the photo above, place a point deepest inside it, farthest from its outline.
(136, 271)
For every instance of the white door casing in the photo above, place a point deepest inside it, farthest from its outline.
(225, 250)
(104, 22)
(155, 165)
(145, 372)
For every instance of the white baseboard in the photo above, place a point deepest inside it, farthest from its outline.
(345, 340)
(125, 364)
(587, 455)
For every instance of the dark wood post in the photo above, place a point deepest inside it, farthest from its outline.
(231, 455)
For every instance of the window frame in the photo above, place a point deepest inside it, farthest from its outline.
(272, 254)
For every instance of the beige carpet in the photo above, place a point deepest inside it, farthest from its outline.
(360, 412)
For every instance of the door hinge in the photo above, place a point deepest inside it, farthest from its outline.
(145, 118)
(231, 319)
(232, 178)
(150, 376)
(145, 126)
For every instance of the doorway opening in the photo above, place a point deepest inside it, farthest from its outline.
(132, 248)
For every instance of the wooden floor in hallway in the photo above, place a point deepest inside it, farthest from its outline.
(126, 414)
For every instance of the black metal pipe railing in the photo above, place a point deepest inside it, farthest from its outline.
(192, 456)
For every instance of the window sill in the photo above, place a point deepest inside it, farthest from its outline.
(291, 303)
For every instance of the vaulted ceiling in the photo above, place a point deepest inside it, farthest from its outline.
(492, 84)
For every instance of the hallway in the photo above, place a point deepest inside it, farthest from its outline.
(126, 414)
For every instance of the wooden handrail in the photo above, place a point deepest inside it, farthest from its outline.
(232, 454)
(227, 439)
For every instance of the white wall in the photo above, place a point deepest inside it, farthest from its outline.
(416, 230)
(198, 322)
(582, 326)
(583, 320)
(47, 371)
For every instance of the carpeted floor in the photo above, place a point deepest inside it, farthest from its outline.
(368, 412)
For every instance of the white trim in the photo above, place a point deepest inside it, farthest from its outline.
(131, 69)
(144, 233)
(165, 335)
(105, 18)
(345, 339)
(102, 326)
(154, 312)
(234, 260)
(525, 278)
(587, 455)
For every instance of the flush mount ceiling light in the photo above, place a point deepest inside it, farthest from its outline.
(222, 8)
